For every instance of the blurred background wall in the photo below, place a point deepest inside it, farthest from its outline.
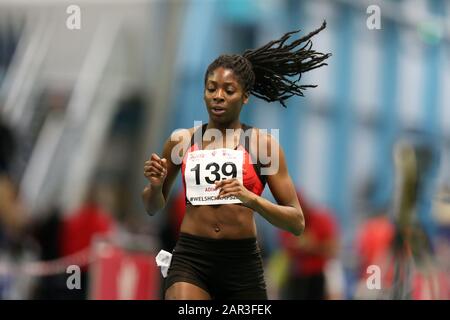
(86, 107)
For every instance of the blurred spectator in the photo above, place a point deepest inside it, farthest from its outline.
(309, 253)
(14, 244)
(373, 241)
(7, 146)
(46, 231)
(373, 244)
(79, 229)
(403, 251)
(12, 212)
(12, 216)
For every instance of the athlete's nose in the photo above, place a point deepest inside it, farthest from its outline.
(218, 96)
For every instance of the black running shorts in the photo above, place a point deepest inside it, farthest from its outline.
(225, 268)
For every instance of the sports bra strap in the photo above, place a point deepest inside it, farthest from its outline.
(196, 138)
(244, 140)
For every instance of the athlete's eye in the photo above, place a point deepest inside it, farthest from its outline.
(210, 89)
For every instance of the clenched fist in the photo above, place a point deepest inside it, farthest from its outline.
(155, 170)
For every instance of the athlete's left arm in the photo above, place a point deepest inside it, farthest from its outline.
(287, 213)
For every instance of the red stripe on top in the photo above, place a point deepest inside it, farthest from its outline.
(250, 178)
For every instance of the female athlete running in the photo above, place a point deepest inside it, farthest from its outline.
(217, 255)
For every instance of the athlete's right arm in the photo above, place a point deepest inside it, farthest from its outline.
(161, 173)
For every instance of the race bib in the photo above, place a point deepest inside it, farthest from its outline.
(204, 167)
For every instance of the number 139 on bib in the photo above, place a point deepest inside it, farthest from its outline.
(204, 167)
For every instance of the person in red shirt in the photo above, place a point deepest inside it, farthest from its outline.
(309, 254)
(79, 229)
(374, 241)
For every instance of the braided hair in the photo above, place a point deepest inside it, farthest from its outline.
(265, 72)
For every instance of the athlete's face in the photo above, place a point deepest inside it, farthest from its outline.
(224, 95)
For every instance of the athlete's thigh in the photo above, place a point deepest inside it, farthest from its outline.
(186, 291)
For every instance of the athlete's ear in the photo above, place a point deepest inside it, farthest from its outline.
(246, 96)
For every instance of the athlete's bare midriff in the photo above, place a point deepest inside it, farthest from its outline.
(226, 221)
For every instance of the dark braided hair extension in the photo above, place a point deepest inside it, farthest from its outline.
(265, 72)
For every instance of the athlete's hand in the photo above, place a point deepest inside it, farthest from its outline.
(233, 187)
(155, 170)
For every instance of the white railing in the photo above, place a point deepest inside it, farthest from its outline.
(63, 157)
(22, 76)
(67, 147)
